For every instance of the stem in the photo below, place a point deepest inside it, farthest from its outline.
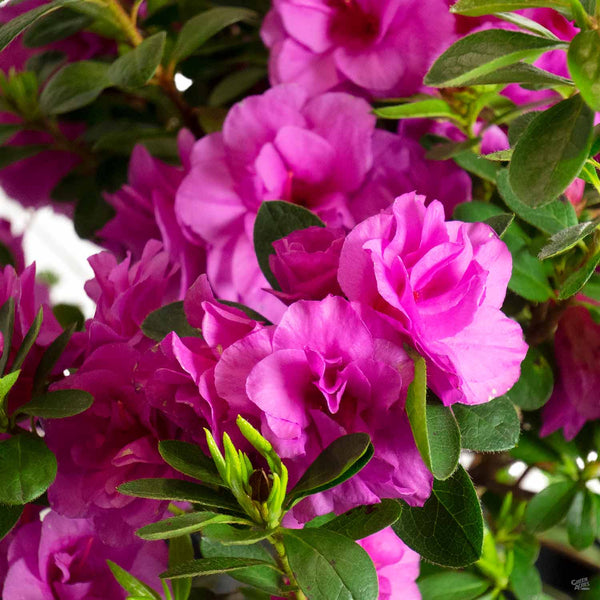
(125, 22)
(277, 542)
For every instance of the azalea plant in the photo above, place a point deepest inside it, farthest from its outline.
(348, 302)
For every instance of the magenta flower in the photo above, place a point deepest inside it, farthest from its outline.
(441, 284)
(306, 262)
(64, 558)
(321, 374)
(574, 400)
(374, 48)
(397, 565)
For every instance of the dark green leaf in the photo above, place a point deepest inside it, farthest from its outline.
(525, 580)
(489, 427)
(9, 517)
(236, 84)
(190, 460)
(58, 404)
(577, 280)
(137, 67)
(74, 86)
(92, 212)
(44, 64)
(28, 340)
(518, 125)
(183, 524)
(475, 211)
(567, 238)
(478, 165)
(447, 150)
(433, 108)
(7, 324)
(522, 73)
(448, 529)
(452, 585)
(213, 566)
(54, 27)
(342, 459)
(12, 154)
(551, 218)
(49, 358)
(535, 385)
(130, 583)
(68, 315)
(177, 490)
(7, 130)
(363, 521)
(500, 223)
(581, 520)
(528, 278)
(166, 319)
(485, 52)
(27, 468)
(328, 565)
(181, 551)
(477, 8)
(6, 384)
(199, 29)
(550, 506)
(551, 152)
(275, 220)
(583, 59)
(234, 536)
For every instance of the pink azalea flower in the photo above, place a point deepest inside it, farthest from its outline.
(321, 374)
(441, 284)
(574, 400)
(375, 48)
(397, 565)
(64, 558)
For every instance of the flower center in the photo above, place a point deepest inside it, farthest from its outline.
(350, 26)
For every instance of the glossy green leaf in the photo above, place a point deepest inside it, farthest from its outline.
(135, 68)
(171, 317)
(181, 550)
(575, 282)
(9, 517)
(342, 459)
(363, 521)
(489, 427)
(485, 52)
(177, 490)
(58, 404)
(583, 60)
(522, 73)
(477, 8)
(213, 566)
(229, 535)
(190, 460)
(581, 520)
(452, 585)
(76, 85)
(550, 506)
(528, 278)
(500, 223)
(28, 340)
(551, 152)
(130, 583)
(551, 218)
(535, 385)
(328, 565)
(448, 529)
(54, 27)
(199, 29)
(432, 108)
(7, 324)
(275, 220)
(567, 238)
(27, 468)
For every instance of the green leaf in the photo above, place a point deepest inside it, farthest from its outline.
(551, 218)
(521, 73)
(526, 23)
(130, 583)
(550, 506)
(432, 108)
(528, 277)
(245, 309)
(525, 580)
(49, 358)
(478, 165)
(328, 565)
(577, 280)
(500, 223)
(181, 551)
(342, 459)
(27, 468)
(7, 324)
(213, 566)
(9, 517)
(452, 586)
(475, 211)
(92, 212)
(199, 29)
(6, 384)
(275, 220)
(171, 317)
(235, 84)
(531, 450)
(447, 150)
(136, 68)
(489, 427)
(54, 27)
(364, 521)
(177, 490)
(448, 529)
(581, 520)
(583, 60)
(518, 125)
(190, 460)
(477, 8)
(551, 152)
(183, 524)
(234, 536)
(535, 385)
(28, 340)
(58, 404)
(567, 238)
(485, 52)
(68, 314)
(74, 86)
(7, 130)
(12, 154)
